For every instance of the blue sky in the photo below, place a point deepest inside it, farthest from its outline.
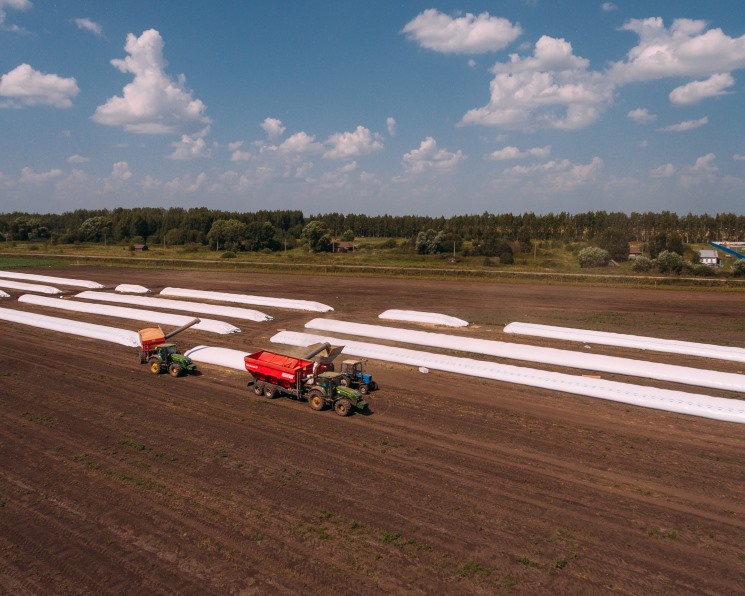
(373, 106)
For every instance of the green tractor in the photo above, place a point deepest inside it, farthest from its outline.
(167, 358)
(164, 357)
(329, 391)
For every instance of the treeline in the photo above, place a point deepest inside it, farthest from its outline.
(273, 229)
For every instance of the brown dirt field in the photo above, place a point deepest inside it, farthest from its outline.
(114, 480)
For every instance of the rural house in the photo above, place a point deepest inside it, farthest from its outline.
(709, 257)
(635, 251)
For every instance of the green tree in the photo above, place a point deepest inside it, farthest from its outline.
(426, 242)
(347, 236)
(261, 235)
(669, 262)
(738, 268)
(96, 229)
(642, 265)
(616, 243)
(593, 257)
(226, 233)
(316, 237)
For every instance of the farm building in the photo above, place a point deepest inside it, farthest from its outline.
(635, 251)
(709, 257)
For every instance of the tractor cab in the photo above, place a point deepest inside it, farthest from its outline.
(166, 350)
(353, 375)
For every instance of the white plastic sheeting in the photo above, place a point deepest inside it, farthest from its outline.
(218, 356)
(135, 314)
(705, 406)
(4, 294)
(595, 362)
(102, 332)
(246, 299)
(416, 316)
(26, 287)
(180, 305)
(131, 289)
(628, 341)
(60, 281)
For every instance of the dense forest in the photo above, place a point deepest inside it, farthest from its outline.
(262, 230)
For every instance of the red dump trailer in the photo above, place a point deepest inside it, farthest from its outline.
(279, 370)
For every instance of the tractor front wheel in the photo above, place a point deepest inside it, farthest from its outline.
(175, 370)
(316, 400)
(344, 381)
(343, 407)
(363, 389)
(154, 364)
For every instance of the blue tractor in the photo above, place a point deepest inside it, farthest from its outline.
(353, 376)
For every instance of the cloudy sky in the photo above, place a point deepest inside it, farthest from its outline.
(373, 106)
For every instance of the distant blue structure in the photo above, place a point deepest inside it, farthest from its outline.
(728, 250)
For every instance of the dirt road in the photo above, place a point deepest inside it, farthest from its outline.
(115, 480)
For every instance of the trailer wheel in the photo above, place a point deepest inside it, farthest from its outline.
(316, 400)
(259, 388)
(175, 370)
(154, 365)
(270, 391)
(343, 407)
(344, 381)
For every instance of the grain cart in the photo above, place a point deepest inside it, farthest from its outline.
(275, 374)
(161, 356)
(353, 376)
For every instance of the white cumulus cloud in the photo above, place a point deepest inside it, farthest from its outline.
(78, 159)
(664, 171)
(191, 146)
(87, 25)
(553, 88)
(697, 91)
(273, 128)
(557, 176)
(468, 34)
(120, 171)
(352, 144)
(390, 124)
(29, 176)
(686, 48)
(299, 143)
(429, 157)
(153, 102)
(685, 126)
(508, 153)
(24, 86)
(641, 116)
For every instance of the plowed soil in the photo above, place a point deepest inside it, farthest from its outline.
(114, 480)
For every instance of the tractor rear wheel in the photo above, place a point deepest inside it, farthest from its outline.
(154, 365)
(259, 388)
(175, 370)
(316, 400)
(343, 407)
